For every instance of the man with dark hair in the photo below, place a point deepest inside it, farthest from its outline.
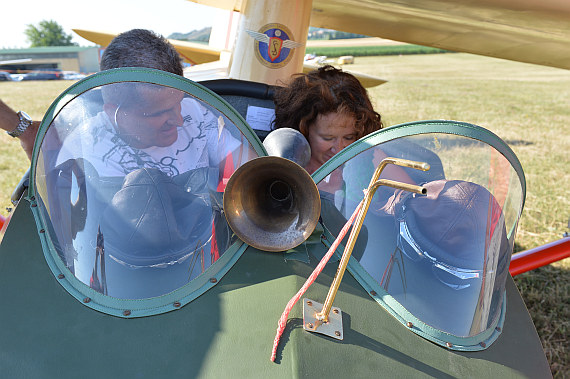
(141, 48)
(147, 125)
(140, 164)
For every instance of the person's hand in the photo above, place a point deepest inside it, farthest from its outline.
(392, 172)
(332, 183)
(9, 120)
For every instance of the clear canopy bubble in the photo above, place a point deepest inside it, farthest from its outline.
(130, 179)
(443, 257)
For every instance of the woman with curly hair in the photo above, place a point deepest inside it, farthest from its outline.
(329, 107)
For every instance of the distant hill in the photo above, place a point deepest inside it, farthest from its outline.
(202, 35)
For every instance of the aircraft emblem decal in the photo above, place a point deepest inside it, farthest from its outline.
(274, 50)
(274, 45)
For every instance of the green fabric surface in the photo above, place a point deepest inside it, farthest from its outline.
(229, 330)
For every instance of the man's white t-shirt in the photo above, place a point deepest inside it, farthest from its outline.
(202, 141)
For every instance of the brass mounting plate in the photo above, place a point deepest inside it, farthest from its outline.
(332, 328)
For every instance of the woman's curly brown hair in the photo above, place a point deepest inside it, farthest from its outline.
(323, 91)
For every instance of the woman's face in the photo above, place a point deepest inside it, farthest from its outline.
(329, 134)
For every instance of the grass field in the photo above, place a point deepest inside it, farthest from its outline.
(526, 105)
(529, 107)
(359, 51)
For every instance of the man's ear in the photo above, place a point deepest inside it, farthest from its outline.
(110, 109)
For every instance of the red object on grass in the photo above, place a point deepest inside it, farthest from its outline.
(540, 256)
(3, 223)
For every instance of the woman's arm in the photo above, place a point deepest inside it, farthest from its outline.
(391, 171)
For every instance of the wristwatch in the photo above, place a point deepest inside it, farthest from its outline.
(25, 121)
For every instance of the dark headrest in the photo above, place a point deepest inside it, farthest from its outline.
(152, 220)
(454, 222)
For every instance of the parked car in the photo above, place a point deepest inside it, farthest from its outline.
(49, 74)
(72, 75)
(17, 77)
(346, 59)
(4, 76)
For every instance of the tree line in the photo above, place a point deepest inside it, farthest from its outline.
(48, 33)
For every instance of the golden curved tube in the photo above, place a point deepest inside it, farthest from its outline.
(323, 315)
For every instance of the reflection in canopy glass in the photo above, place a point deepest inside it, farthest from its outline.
(443, 257)
(130, 178)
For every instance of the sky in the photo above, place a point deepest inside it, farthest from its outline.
(115, 16)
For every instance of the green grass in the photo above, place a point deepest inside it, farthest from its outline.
(526, 105)
(359, 51)
(34, 98)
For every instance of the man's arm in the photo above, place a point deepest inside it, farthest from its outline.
(9, 120)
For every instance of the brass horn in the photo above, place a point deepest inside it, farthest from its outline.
(272, 203)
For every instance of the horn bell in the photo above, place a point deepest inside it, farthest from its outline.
(272, 203)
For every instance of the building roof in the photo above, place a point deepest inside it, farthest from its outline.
(47, 49)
